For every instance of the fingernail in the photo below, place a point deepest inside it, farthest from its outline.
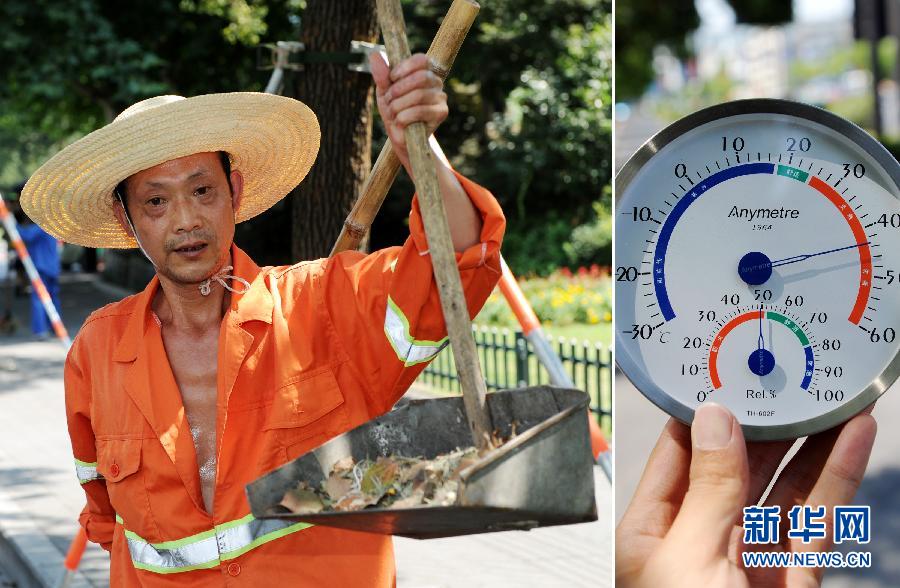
(712, 427)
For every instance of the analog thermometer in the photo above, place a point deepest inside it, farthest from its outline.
(758, 266)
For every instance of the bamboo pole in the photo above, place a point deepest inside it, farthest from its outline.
(441, 54)
(440, 244)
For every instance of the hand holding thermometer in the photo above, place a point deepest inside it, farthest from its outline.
(703, 311)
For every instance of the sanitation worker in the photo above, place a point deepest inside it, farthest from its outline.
(220, 371)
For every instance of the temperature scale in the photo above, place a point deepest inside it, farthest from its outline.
(758, 266)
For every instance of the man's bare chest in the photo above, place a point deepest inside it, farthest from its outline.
(193, 361)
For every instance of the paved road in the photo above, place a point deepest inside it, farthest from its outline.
(638, 423)
(6, 581)
(40, 498)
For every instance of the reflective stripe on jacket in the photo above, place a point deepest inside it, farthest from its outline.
(307, 353)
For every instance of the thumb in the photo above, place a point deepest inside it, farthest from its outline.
(719, 482)
(381, 73)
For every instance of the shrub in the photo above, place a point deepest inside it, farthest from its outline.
(562, 298)
(591, 243)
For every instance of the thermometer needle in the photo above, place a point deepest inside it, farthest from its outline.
(761, 343)
(762, 361)
(797, 258)
(755, 268)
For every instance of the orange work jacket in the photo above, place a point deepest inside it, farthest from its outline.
(307, 353)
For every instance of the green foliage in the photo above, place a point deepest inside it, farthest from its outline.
(854, 108)
(888, 54)
(530, 98)
(536, 247)
(857, 108)
(591, 243)
(70, 66)
(508, 37)
(857, 56)
(247, 20)
(838, 63)
(560, 299)
(693, 97)
(65, 68)
(892, 145)
(21, 149)
(553, 137)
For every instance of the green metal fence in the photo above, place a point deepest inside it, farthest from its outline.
(508, 361)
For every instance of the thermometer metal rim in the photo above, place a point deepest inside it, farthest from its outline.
(655, 144)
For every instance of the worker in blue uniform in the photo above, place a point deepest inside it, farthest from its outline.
(44, 251)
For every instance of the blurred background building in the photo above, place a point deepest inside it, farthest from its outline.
(841, 55)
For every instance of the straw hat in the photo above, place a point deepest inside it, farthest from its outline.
(271, 139)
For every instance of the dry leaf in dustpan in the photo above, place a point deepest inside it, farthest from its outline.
(355, 500)
(343, 465)
(336, 486)
(302, 500)
(388, 482)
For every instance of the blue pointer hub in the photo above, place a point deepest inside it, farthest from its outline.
(761, 362)
(755, 268)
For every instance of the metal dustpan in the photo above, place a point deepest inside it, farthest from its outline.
(543, 476)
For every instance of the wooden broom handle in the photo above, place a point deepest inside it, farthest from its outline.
(440, 244)
(441, 54)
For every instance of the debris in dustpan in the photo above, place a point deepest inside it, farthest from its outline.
(542, 477)
(387, 482)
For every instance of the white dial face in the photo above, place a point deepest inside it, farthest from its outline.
(758, 266)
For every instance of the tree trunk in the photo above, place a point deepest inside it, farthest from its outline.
(342, 100)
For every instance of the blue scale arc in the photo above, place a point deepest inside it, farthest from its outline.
(665, 233)
(810, 366)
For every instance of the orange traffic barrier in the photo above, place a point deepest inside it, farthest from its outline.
(598, 441)
(520, 306)
(531, 328)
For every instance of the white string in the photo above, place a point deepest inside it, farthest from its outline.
(138, 241)
(220, 276)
